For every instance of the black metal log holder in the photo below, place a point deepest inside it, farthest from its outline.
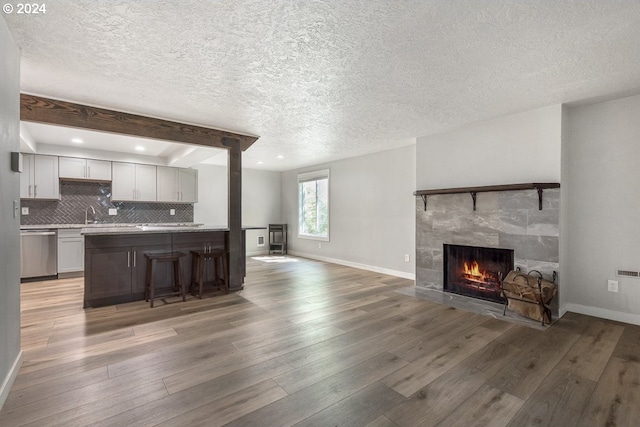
(538, 301)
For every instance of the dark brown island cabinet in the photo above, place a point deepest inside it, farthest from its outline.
(115, 265)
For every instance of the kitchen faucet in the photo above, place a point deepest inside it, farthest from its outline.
(86, 214)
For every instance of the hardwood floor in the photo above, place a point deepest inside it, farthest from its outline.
(313, 344)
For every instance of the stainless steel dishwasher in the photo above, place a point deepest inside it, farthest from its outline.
(38, 257)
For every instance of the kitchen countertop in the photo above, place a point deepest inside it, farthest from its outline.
(104, 225)
(147, 229)
(144, 228)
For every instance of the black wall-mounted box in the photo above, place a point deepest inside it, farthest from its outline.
(16, 162)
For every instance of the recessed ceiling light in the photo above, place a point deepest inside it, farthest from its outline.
(260, 162)
(77, 140)
(279, 156)
(139, 148)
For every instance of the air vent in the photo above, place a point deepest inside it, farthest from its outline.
(628, 273)
(260, 240)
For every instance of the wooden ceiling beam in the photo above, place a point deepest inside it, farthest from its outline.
(45, 110)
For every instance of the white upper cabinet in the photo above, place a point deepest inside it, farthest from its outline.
(123, 184)
(146, 183)
(39, 178)
(133, 182)
(99, 170)
(85, 169)
(26, 177)
(177, 185)
(168, 184)
(72, 167)
(188, 179)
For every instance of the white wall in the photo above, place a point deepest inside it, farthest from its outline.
(10, 354)
(213, 204)
(601, 171)
(372, 212)
(563, 243)
(513, 149)
(261, 201)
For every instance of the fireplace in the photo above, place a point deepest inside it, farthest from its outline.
(476, 271)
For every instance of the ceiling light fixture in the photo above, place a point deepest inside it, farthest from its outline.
(280, 156)
(77, 140)
(139, 148)
(260, 162)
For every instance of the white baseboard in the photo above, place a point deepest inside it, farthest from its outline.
(562, 310)
(10, 378)
(410, 276)
(257, 253)
(603, 313)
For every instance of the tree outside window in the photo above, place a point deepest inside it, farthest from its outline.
(313, 199)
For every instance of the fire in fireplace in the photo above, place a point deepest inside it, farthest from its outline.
(476, 271)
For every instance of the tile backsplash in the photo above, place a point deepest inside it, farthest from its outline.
(76, 197)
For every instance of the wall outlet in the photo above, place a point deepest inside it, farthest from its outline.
(612, 285)
(406, 258)
(172, 211)
(113, 211)
(260, 241)
(319, 245)
(25, 211)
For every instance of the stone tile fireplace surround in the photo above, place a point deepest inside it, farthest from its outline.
(502, 219)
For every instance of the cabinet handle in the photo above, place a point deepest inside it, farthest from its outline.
(134, 259)
(128, 259)
(88, 171)
(29, 191)
(35, 191)
(84, 171)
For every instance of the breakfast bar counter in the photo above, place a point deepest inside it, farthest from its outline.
(115, 263)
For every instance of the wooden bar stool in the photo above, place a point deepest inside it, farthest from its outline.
(152, 260)
(197, 269)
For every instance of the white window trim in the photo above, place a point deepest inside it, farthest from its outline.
(312, 176)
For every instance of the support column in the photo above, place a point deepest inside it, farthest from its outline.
(236, 252)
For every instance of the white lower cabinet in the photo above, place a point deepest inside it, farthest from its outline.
(70, 250)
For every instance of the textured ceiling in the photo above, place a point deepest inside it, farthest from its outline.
(327, 79)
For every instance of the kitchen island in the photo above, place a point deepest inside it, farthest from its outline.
(115, 265)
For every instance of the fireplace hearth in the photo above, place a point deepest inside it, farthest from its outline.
(476, 271)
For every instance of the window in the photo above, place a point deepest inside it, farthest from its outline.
(313, 205)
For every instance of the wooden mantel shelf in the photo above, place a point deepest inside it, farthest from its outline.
(540, 186)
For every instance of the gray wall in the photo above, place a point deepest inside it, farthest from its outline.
(261, 201)
(601, 224)
(524, 147)
(9, 221)
(372, 212)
